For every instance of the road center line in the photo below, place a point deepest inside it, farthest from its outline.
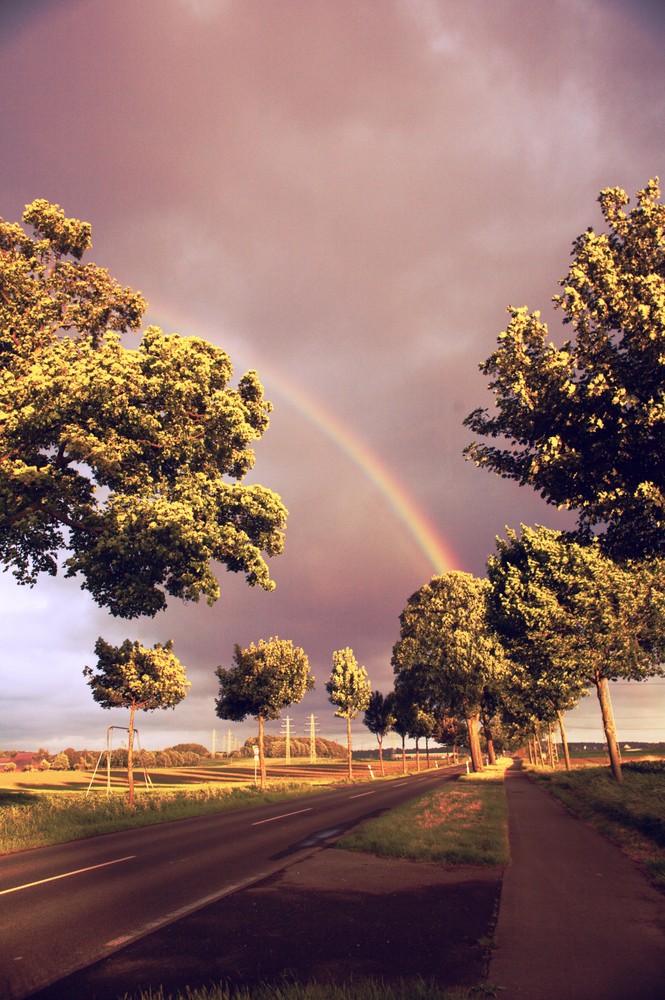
(54, 878)
(361, 795)
(274, 819)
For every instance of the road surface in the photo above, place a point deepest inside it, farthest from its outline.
(64, 907)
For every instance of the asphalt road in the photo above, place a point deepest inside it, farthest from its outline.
(65, 907)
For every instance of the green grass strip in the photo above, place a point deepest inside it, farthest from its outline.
(37, 820)
(462, 823)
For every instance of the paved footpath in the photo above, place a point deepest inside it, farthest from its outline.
(577, 919)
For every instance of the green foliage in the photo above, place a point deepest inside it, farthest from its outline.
(119, 458)
(133, 676)
(275, 746)
(266, 678)
(379, 714)
(447, 656)
(348, 687)
(571, 616)
(583, 423)
(195, 748)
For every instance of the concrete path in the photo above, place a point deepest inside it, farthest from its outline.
(577, 920)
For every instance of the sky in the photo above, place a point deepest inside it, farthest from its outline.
(345, 195)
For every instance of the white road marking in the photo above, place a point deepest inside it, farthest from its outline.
(273, 819)
(361, 795)
(54, 878)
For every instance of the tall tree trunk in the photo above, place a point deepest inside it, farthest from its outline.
(427, 751)
(487, 732)
(348, 745)
(262, 756)
(417, 754)
(380, 741)
(472, 722)
(403, 754)
(550, 745)
(564, 740)
(130, 756)
(603, 691)
(539, 747)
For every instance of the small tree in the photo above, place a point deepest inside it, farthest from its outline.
(379, 718)
(348, 688)
(266, 678)
(135, 677)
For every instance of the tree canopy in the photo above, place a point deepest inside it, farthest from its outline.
(265, 679)
(349, 689)
(125, 462)
(135, 677)
(584, 423)
(379, 718)
(573, 618)
(447, 650)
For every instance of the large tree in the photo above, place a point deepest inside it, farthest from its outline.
(584, 423)
(114, 460)
(265, 679)
(572, 618)
(135, 677)
(447, 650)
(349, 689)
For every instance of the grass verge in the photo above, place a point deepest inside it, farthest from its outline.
(463, 823)
(366, 989)
(37, 820)
(632, 814)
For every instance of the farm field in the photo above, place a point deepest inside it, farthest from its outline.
(236, 772)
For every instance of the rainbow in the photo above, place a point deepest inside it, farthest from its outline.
(437, 552)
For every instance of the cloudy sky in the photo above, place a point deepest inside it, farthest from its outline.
(345, 195)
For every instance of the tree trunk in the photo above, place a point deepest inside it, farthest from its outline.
(418, 754)
(348, 745)
(539, 747)
(130, 756)
(403, 754)
(427, 751)
(564, 740)
(603, 691)
(472, 722)
(262, 756)
(380, 742)
(487, 732)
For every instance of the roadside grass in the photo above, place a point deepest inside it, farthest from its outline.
(463, 823)
(361, 989)
(51, 809)
(631, 814)
(38, 819)
(38, 809)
